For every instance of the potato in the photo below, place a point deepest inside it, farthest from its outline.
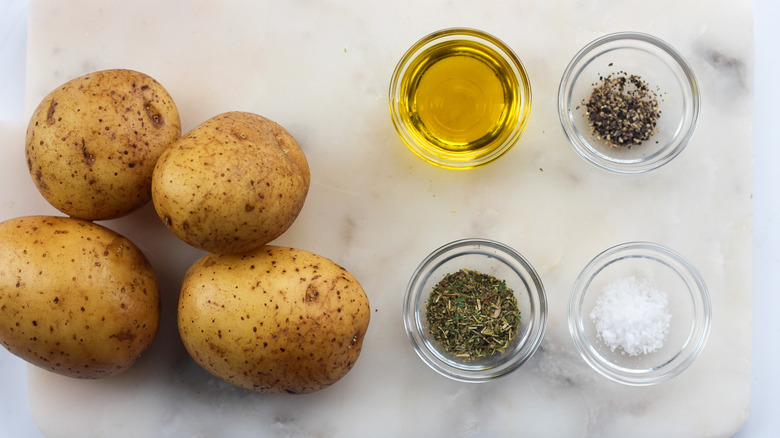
(276, 320)
(92, 143)
(76, 298)
(232, 184)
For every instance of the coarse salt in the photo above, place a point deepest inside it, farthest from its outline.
(633, 315)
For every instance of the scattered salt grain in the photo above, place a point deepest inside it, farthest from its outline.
(633, 315)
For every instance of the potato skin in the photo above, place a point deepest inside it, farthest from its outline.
(275, 320)
(232, 184)
(92, 143)
(76, 298)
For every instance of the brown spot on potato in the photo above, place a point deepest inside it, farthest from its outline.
(50, 112)
(312, 294)
(217, 348)
(123, 336)
(41, 183)
(154, 115)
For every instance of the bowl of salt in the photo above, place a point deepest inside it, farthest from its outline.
(639, 313)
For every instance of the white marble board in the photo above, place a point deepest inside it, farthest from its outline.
(321, 69)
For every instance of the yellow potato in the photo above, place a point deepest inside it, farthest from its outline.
(76, 298)
(278, 320)
(232, 184)
(92, 143)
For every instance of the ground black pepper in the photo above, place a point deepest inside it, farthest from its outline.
(622, 110)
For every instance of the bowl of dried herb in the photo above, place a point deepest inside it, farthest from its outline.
(639, 313)
(628, 102)
(475, 310)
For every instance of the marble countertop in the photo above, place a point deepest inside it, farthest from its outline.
(15, 418)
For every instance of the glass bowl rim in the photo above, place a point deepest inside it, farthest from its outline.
(465, 247)
(689, 84)
(702, 314)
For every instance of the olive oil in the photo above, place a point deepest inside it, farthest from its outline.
(459, 100)
(462, 101)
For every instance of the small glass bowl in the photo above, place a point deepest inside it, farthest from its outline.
(495, 55)
(689, 307)
(488, 257)
(664, 70)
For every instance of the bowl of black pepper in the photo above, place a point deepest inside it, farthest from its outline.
(639, 313)
(475, 310)
(628, 102)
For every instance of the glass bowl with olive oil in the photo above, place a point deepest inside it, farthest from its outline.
(475, 310)
(460, 98)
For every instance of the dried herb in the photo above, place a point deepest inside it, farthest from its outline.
(622, 110)
(472, 315)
